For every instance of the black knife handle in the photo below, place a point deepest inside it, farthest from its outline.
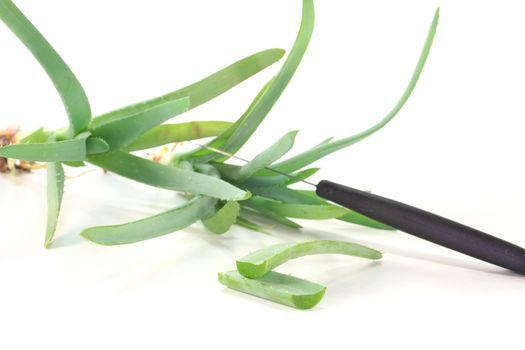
(428, 226)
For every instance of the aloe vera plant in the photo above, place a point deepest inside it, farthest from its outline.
(219, 194)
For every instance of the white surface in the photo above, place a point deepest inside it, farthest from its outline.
(456, 149)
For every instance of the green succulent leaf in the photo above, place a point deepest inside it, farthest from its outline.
(170, 133)
(37, 136)
(67, 85)
(96, 145)
(168, 177)
(301, 211)
(352, 216)
(276, 287)
(51, 151)
(247, 223)
(206, 155)
(258, 209)
(121, 132)
(55, 192)
(74, 164)
(242, 130)
(327, 147)
(284, 194)
(221, 221)
(266, 158)
(151, 227)
(301, 175)
(260, 262)
(205, 89)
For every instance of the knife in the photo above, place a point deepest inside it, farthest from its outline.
(415, 221)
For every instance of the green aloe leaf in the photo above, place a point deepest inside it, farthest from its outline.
(352, 216)
(267, 98)
(276, 287)
(74, 164)
(55, 192)
(151, 227)
(301, 211)
(246, 223)
(96, 145)
(206, 155)
(205, 89)
(292, 196)
(305, 158)
(284, 194)
(163, 176)
(67, 85)
(258, 209)
(37, 136)
(170, 133)
(266, 158)
(260, 262)
(121, 132)
(222, 219)
(301, 175)
(52, 151)
(265, 181)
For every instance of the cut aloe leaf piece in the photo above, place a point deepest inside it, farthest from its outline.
(276, 287)
(205, 89)
(67, 85)
(170, 133)
(262, 261)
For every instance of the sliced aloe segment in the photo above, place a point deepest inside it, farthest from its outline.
(262, 261)
(276, 287)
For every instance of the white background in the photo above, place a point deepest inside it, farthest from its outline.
(456, 149)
